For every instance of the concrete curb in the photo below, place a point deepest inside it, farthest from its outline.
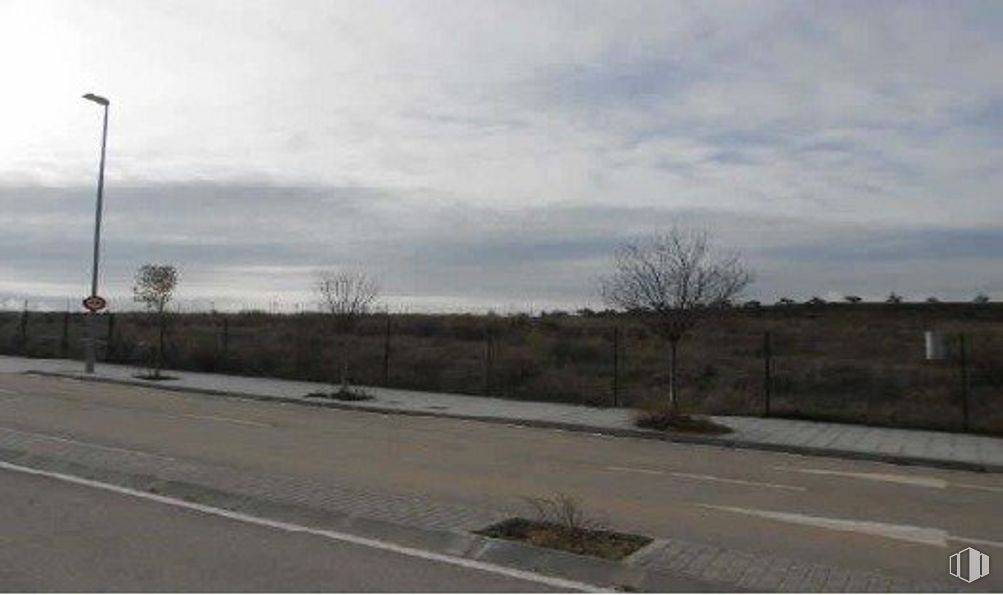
(720, 441)
(602, 573)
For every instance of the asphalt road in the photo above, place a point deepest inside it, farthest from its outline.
(63, 537)
(857, 515)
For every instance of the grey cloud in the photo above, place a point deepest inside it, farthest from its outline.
(929, 245)
(264, 241)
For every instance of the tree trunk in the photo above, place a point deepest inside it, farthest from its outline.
(332, 369)
(673, 343)
(342, 344)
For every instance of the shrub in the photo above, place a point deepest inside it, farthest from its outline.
(660, 415)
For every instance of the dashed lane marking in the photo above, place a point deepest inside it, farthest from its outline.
(922, 535)
(916, 480)
(636, 470)
(712, 478)
(66, 440)
(232, 420)
(913, 480)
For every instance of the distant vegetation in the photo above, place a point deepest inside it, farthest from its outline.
(839, 361)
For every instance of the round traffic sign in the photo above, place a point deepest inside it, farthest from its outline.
(95, 303)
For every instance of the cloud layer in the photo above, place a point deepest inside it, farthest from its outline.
(482, 154)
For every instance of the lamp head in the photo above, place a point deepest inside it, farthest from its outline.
(96, 99)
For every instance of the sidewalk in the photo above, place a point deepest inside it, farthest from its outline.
(941, 449)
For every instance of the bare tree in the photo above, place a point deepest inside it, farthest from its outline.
(346, 296)
(154, 288)
(675, 276)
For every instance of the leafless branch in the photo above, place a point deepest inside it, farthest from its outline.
(346, 295)
(674, 275)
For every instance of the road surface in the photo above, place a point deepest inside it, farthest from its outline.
(902, 521)
(63, 537)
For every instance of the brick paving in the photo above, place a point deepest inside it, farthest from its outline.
(944, 448)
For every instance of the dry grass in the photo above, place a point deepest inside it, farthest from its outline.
(853, 363)
(155, 377)
(343, 395)
(658, 415)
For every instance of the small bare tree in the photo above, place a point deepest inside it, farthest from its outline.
(345, 296)
(675, 276)
(154, 288)
(564, 511)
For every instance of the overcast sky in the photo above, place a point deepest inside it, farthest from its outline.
(477, 154)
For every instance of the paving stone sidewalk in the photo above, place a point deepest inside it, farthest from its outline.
(313, 501)
(943, 449)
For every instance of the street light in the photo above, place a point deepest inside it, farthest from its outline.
(89, 347)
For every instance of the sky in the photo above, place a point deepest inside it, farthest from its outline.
(477, 154)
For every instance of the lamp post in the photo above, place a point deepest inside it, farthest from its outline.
(91, 330)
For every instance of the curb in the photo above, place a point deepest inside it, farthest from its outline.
(604, 574)
(567, 426)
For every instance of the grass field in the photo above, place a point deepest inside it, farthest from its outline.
(856, 363)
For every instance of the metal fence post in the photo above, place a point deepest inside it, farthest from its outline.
(963, 353)
(23, 330)
(386, 352)
(226, 336)
(488, 357)
(297, 323)
(767, 372)
(616, 366)
(110, 338)
(64, 339)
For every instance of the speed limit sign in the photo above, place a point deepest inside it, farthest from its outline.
(95, 303)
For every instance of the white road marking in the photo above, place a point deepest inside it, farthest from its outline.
(915, 480)
(702, 477)
(927, 482)
(778, 486)
(972, 486)
(636, 470)
(232, 420)
(976, 541)
(551, 581)
(911, 533)
(924, 535)
(83, 443)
